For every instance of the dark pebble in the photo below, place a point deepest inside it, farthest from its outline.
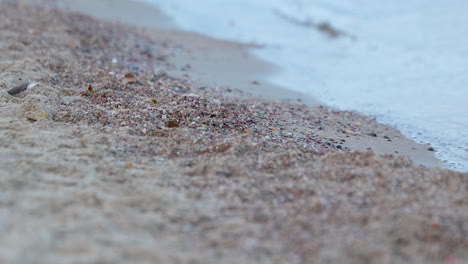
(431, 149)
(339, 146)
(373, 134)
(18, 89)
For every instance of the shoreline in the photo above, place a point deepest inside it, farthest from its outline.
(107, 160)
(329, 68)
(205, 61)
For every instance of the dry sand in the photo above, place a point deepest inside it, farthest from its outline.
(108, 161)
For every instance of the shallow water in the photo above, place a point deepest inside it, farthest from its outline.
(403, 62)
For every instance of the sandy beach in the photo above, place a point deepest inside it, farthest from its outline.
(145, 144)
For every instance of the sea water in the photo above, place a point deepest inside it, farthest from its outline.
(404, 62)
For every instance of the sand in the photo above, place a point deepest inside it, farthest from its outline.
(112, 159)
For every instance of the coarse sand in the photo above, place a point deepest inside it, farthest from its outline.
(110, 158)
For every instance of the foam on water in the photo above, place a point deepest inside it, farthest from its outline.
(404, 62)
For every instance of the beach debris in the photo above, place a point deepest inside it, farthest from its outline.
(323, 27)
(329, 30)
(172, 124)
(88, 91)
(307, 23)
(372, 134)
(154, 101)
(431, 149)
(21, 88)
(129, 78)
(255, 83)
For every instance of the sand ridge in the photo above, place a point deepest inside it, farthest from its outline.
(157, 169)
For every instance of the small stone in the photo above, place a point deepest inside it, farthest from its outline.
(129, 78)
(18, 89)
(350, 132)
(172, 124)
(31, 118)
(431, 149)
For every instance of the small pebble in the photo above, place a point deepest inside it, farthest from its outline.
(350, 132)
(18, 89)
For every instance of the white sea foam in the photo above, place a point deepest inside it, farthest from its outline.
(404, 62)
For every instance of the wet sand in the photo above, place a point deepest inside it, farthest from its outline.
(113, 157)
